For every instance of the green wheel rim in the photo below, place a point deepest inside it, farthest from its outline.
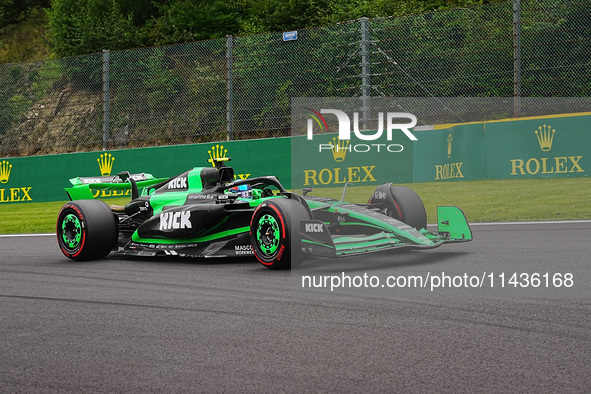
(268, 238)
(71, 231)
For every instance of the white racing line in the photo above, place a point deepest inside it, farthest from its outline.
(431, 225)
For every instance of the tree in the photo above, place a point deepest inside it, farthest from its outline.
(80, 27)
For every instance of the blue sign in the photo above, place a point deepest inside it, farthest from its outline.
(290, 36)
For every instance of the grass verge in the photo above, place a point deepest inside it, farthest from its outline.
(481, 201)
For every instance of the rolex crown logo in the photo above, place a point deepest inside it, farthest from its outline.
(217, 152)
(105, 162)
(5, 168)
(545, 137)
(450, 139)
(339, 149)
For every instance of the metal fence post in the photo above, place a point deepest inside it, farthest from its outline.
(229, 90)
(517, 58)
(106, 99)
(365, 72)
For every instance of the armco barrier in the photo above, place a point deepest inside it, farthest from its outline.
(558, 146)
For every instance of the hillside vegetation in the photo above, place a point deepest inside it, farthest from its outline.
(33, 30)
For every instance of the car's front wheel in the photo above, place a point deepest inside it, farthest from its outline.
(401, 203)
(274, 233)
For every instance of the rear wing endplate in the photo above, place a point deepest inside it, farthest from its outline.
(82, 186)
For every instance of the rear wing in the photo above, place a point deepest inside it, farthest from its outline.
(82, 186)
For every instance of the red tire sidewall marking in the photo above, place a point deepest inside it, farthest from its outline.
(81, 218)
(278, 257)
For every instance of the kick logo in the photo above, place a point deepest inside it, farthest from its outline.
(175, 220)
(178, 183)
(314, 228)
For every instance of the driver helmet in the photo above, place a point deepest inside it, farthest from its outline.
(244, 191)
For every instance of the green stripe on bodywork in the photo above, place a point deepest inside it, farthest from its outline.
(240, 230)
(316, 243)
(370, 221)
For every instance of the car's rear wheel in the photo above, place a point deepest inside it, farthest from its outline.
(402, 203)
(86, 230)
(274, 233)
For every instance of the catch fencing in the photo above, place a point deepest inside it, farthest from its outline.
(241, 87)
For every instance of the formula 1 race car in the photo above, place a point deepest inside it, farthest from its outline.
(204, 212)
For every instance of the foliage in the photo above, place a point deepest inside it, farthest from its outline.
(26, 40)
(192, 21)
(77, 27)
(13, 11)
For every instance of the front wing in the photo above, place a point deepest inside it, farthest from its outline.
(317, 240)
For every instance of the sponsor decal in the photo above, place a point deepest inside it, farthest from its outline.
(243, 249)
(450, 139)
(178, 183)
(105, 162)
(546, 165)
(328, 176)
(175, 220)
(380, 196)
(219, 152)
(5, 168)
(12, 194)
(313, 228)
(203, 196)
(449, 170)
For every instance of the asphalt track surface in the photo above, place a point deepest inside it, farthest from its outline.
(161, 325)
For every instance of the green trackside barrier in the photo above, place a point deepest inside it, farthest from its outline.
(548, 147)
(456, 153)
(43, 178)
(325, 161)
(555, 146)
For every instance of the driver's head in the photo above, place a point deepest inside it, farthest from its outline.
(244, 191)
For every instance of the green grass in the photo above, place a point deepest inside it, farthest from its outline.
(496, 201)
(482, 201)
(34, 217)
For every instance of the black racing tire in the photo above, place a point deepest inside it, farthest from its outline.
(401, 203)
(274, 233)
(86, 230)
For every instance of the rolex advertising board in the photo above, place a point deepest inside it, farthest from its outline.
(548, 147)
(43, 178)
(318, 156)
(456, 153)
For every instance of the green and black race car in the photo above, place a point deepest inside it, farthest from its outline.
(204, 212)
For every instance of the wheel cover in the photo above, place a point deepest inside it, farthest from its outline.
(267, 235)
(71, 231)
